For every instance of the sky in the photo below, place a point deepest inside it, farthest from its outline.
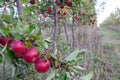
(110, 6)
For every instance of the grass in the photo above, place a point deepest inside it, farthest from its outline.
(111, 45)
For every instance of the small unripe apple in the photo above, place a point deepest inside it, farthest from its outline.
(31, 55)
(18, 46)
(42, 65)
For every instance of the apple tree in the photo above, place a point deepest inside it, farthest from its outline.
(22, 46)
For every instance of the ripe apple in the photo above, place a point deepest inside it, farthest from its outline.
(58, 12)
(93, 22)
(61, 6)
(31, 55)
(4, 40)
(32, 1)
(42, 65)
(65, 13)
(77, 17)
(69, 4)
(56, 1)
(44, 15)
(49, 10)
(18, 46)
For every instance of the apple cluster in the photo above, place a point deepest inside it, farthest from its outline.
(30, 55)
(62, 9)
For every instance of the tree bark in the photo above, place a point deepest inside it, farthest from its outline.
(66, 34)
(55, 32)
(19, 5)
(73, 37)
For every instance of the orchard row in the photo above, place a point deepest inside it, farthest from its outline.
(64, 10)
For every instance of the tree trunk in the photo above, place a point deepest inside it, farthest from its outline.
(55, 32)
(19, 5)
(73, 37)
(79, 34)
(66, 34)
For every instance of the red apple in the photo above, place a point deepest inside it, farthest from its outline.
(61, 6)
(32, 1)
(56, 1)
(18, 46)
(44, 15)
(65, 13)
(58, 12)
(69, 4)
(3, 40)
(31, 55)
(49, 10)
(77, 17)
(42, 65)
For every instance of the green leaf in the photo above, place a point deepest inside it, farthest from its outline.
(7, 18)
(10, 56)
(24, 29)
(78, 61)
(5, 24)
(3, 32)
(48, 40)
(78, 68)
(1, 2)
(18, 37)
(37, 30)
(43, 44)
(99, 60)
(1, 58)
(24, 1)
(31, 27)
(68, 75)
(52, 75)
(87, 77)
(20, 76)
(11, 7)
(13, 71)
(4, 48)
(53, 56)
(75, 55)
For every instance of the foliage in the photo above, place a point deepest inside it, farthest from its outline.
(24, 22)
(113, 19)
